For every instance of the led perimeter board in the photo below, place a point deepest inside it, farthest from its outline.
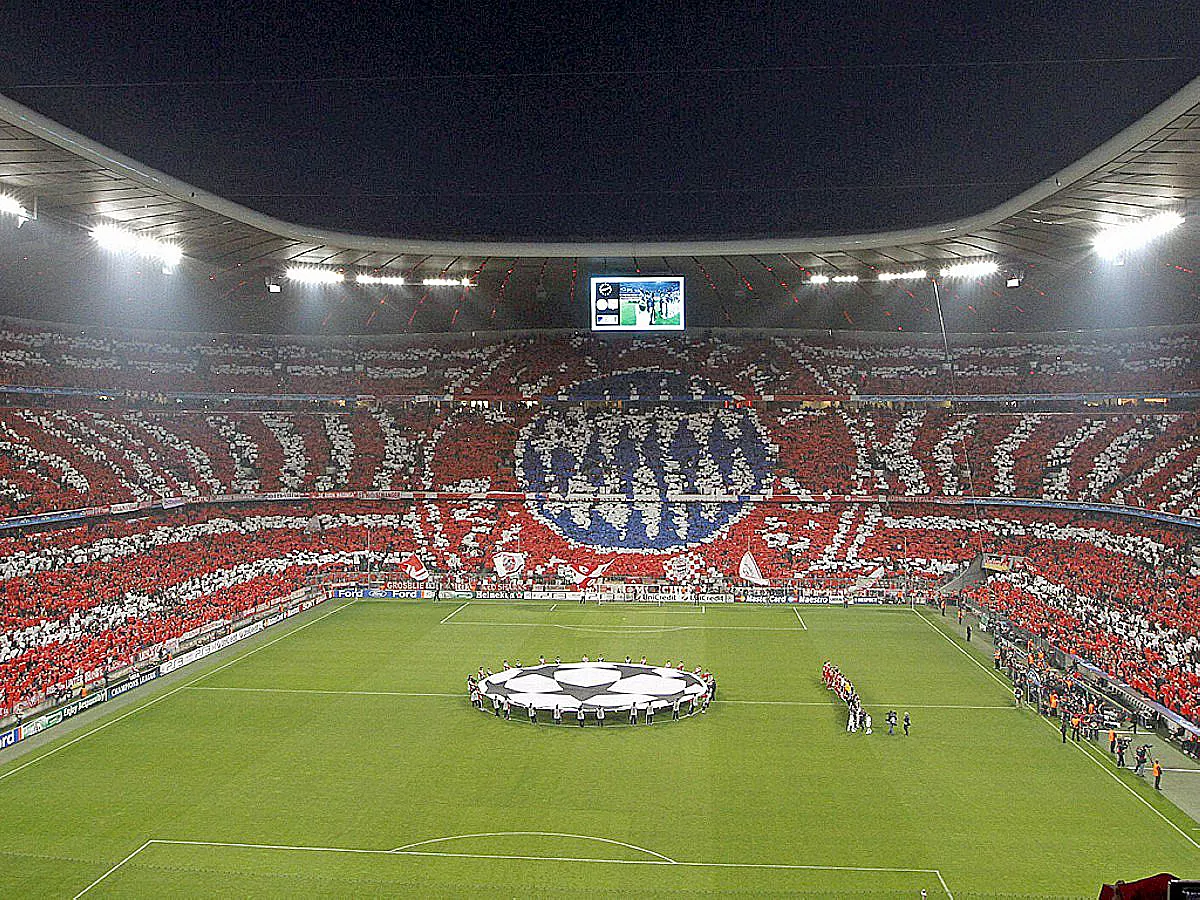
(637, 303)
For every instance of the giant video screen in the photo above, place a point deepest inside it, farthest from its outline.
(637, 303)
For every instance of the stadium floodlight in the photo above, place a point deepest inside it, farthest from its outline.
(116, 239)
(313, 275)
(11, 206)
(396, 280)
(1114, 242)
(912, 275)
(446, 282)
(845, 279)
(819, 279)
(971, 269)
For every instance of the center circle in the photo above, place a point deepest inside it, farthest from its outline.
(653, 450)
(613, 686)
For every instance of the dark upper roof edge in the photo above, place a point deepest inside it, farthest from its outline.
(40, 126)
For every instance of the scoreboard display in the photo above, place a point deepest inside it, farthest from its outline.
(637, 303)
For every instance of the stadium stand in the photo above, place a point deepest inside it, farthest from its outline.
(264, 490)
(751, 364)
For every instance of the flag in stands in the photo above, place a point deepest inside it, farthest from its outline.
(508, 564)
(579, 574)
(748, 569)
(595, 573)
(687, 567)
(414, 568)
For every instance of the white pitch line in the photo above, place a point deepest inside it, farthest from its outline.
(797, 612)
(455, 613)
(665, 861)
(271, 690)
(585, 837)
(1099, 762)
(806, 703)
(868, 705)
(620, 628)
(172, 692)
(553, 607)
(113, 869)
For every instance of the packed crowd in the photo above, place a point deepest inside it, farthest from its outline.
(755, 363)
(76, 601)
(1134, 615)
(59, 459)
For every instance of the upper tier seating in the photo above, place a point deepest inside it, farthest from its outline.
(748, 364)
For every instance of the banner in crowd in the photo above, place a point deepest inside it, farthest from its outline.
(414, 568)
(748, 570)
(508, 564)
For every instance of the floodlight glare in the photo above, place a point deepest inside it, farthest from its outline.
(970, 269)
(845, 279)
(12, 206)
(819, 279)
(380, 279)
(313, 275)
(1113, 242)
(116, 239)
(902, 276)
(446, 282)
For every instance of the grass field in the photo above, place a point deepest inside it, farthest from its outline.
(341, 758)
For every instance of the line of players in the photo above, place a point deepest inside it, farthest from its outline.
(502, 706)
(858, 718)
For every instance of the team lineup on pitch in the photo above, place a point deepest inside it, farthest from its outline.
(362, 708)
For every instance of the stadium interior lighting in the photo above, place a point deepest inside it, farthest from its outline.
(1120, 239)
(912, 275)
(11, 206)
(970, 269)
(1012, 281)
(314, 275)
(819, 279)
(845, 279)
(116, 239)
(380, 279)
(446, 282)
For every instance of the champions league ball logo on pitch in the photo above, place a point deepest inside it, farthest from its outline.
(644, 450)
(592, 687)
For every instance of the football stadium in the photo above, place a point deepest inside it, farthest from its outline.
(353, 546)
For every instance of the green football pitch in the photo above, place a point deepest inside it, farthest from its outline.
(338, 756)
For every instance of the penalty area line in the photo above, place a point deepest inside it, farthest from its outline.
(800, 620)
(658, 860)
(114, 868)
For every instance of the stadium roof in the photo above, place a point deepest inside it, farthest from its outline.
(1152, 165)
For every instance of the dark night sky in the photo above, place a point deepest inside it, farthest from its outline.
(602, 119)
